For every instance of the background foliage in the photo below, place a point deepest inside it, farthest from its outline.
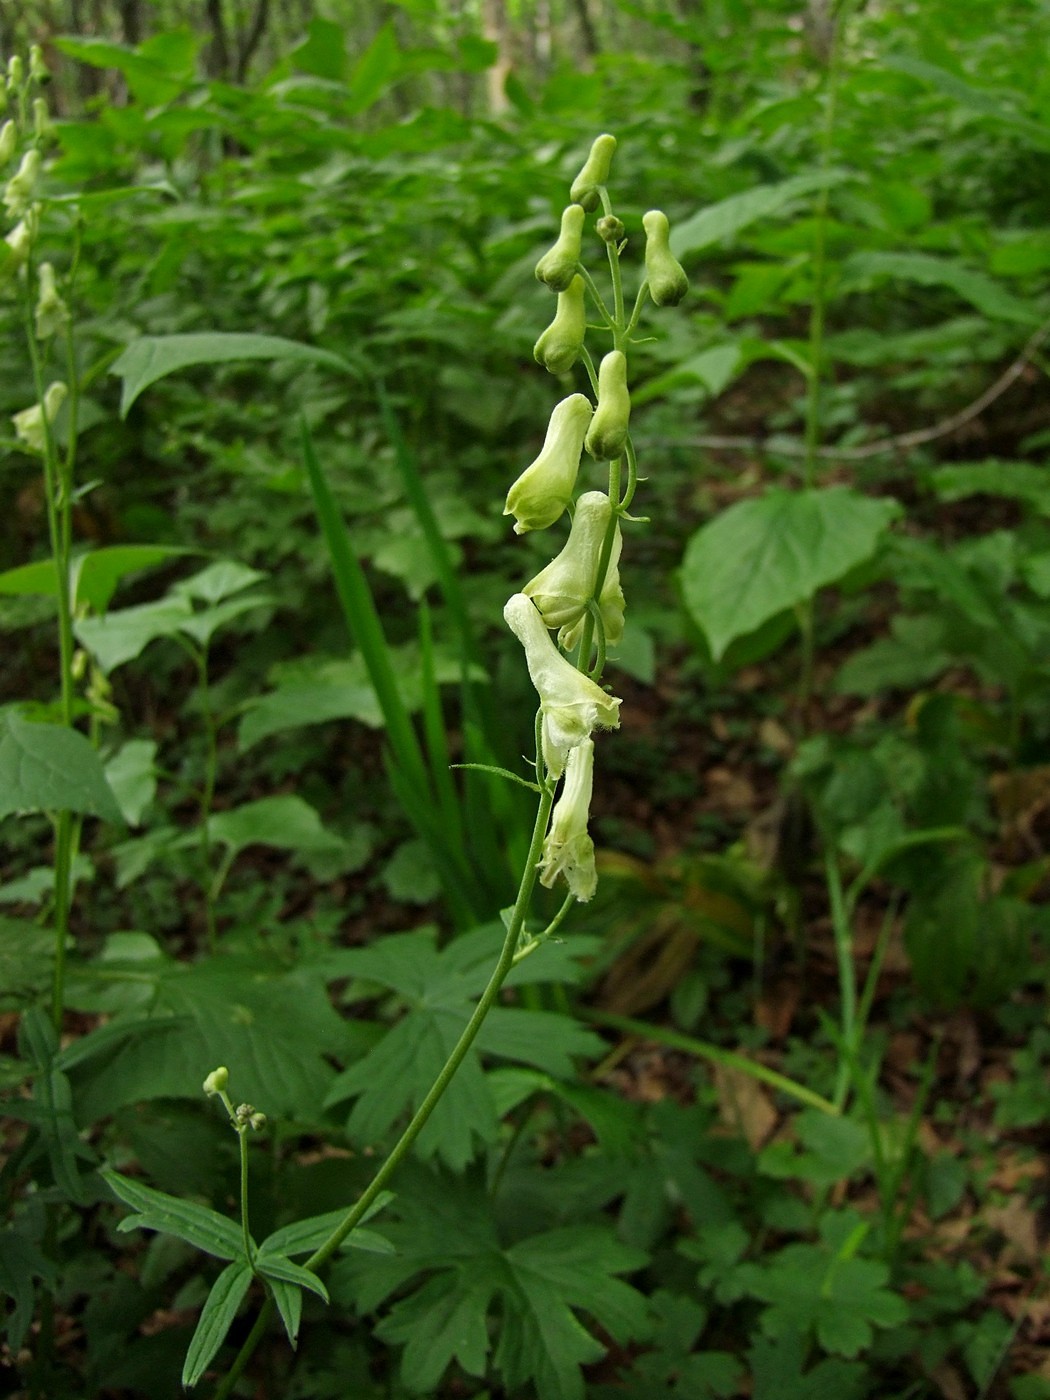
(816, 1167)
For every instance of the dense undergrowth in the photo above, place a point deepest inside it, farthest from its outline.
(770, 1119)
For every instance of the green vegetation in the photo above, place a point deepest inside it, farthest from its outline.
(325, 328)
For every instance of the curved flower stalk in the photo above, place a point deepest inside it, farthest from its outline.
(571, 705)
(563, 590)
(568, 849)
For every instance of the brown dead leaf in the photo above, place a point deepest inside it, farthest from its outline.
(776, 1007)
(1019, 1226)
(744, 1105)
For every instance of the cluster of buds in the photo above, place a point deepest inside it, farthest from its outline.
(245, 1115)
(577, 596)
(23, 134)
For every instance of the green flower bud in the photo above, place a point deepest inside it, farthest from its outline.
(560, 344)
(668, 283)
(567, 848)
(544, 489)
(51, 313)
(571, 705)
(41, 118)
(8, 141)
(258, 1121)
(38, 69)
(18, 192)
(595, 172)
(15, 72)
(608, 431)
(563, 589)
(216, 1081)
(557, 267)
(610, 229)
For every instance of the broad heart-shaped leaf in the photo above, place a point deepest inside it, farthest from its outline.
(154, 356)
(765, 555)
(285, 822)
(94, 576)
(537, 1288)
(440, 988)
(49, 768)
(217, 1315)
(122, 635)
(198, 1225)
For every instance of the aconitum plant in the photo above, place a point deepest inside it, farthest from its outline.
(566, 618)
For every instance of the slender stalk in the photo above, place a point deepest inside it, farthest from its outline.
(840, 922)
(400, 1150)
(211, 762)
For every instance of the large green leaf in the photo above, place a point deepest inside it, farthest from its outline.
(729, 216)
(155, 356)
(27, 955)
(120, 636)
(764, 555)
(49, 768)
(285, 822)
(538, 1288)
(94, 576)
(928, 270)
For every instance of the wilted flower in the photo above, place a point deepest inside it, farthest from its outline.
(544, 489)
(567, 849)
(563, 589)
(571, 704)
(29, 423)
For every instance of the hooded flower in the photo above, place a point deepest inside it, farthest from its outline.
(544, 489)
(18, 192)
(29, 423)
(51, 313)
(563, 589)
(571, 705)
(568, 850)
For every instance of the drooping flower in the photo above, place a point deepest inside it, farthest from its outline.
(568, 850)
(29, 423)
(544, 489)
(18, 192)
(51, 313)
(572, 706)
(563, 589)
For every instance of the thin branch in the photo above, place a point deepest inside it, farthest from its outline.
(900, 442)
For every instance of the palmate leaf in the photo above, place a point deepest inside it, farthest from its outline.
(536, 1289)
(440, 988)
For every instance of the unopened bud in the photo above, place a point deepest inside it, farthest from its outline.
(668, 283)
(38, 69)
(610, 229)
(41, 118)
(29, 424)
(20, 239)
(258, 1121)
(557, 267)
(544, 489)
(216, 1081)
(608, 431)
(8, 141)
(558, 348)
(15, 72)
(595, 172)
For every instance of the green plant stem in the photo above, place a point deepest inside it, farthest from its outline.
(515, 924)
(211, 763)
(249, 1251)
(840, 922)
(58, 476)
(704, 1050)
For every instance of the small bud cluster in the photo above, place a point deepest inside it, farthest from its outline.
(578, 594)
(22, 138)
(245, 1115)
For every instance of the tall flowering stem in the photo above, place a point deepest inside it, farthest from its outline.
(577, 595)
